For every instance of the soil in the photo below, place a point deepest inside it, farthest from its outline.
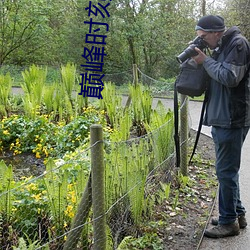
(186, 223)
(25, 164)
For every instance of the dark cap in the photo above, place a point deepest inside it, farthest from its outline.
(211, 23)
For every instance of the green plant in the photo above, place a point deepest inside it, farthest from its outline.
(147, 241)
(126, 173)
(56, 187)
(33, 86)
(164, 191)
(30, 208)
(68, 74)
(48, 97)
(121, 131)
(112, 108)
(28, 244)
(184, 181)
(176, 199)
(5, 89)
(45, 138)
(6, 184)
(23, 246)
(141, 104)
(23, 134)
(161, 126)
(64, 185)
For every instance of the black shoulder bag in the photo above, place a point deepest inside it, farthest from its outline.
(191, 81)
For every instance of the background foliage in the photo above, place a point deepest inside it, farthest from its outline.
(149, 33)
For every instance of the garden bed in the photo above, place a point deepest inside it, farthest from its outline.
(181, 215)
(178, 221)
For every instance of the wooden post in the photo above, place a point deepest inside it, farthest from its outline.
(98, 195)
(184, 135)
(80, 218)
(135, 74)
(135, 82)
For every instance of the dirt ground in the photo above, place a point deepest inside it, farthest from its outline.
(187, 222)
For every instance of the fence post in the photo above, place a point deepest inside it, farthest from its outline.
(98, 195)
(80, 218)
(135, 74)
(184, 135)
(135, 81)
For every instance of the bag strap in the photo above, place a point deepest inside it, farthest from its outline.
(199, 127)
(176, 126)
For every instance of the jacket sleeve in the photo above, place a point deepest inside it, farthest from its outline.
(234, 66)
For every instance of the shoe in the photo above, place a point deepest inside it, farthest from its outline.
(221, 231)
(241, 219)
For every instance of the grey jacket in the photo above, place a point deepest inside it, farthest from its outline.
(228, 103)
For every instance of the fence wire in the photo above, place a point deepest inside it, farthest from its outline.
(44, 210)
(120, 78)
(158, 87)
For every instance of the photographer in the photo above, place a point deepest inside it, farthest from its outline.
(228, 112)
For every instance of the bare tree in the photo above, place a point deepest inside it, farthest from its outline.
(19, 23)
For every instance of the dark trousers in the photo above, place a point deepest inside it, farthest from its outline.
(228, 145)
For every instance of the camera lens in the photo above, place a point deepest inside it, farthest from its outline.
(187, 53)
(190, 51)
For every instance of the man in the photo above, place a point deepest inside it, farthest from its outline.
(228, 112)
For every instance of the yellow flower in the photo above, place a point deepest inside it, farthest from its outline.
(73, 199)
(37, 196)
(31, 186)
(14, 209)
(38, 155)
(16, 152)
(26, 178)
(69, 211)
(6, 132)
(45, 151)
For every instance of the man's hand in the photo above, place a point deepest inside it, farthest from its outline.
(200, 58)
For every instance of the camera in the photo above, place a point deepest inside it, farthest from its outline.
(190, 51)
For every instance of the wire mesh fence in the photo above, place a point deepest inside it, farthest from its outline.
(120, 78)
(55, 210)
(42, 210)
